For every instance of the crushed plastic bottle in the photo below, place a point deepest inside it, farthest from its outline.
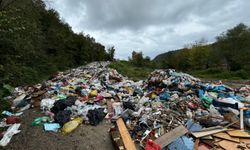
(71, 125)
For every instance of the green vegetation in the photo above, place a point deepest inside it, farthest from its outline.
(138, 60)
(228, 57)
(221, 75)
(4, 91)
(130, 70)
(35, 43)
(137, 68)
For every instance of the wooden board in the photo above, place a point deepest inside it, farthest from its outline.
(211, 128)
(126, 138)
(206, 133)
(238, 133)
(169, 137)
(210, 143)
(245, 140)
(228, 145)
(225, 136)
(209, 137)
(196, 144)
(216, 140)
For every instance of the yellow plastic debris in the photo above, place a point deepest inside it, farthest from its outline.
(153, 95)
(71, 125)
(129, 90)
(93, 93)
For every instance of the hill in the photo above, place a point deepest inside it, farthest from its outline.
(229, 54)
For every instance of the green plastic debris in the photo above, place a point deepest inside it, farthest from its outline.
(60, 96)
(40, 120)
(206, 101)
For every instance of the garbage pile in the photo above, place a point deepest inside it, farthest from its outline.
(169, 110)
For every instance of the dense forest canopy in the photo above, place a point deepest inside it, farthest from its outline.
(230, 52)
(35, 43)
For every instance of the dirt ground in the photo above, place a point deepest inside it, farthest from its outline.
(236, 84)
(231, 83)
(85, 137)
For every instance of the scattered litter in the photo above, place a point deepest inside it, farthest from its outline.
(40, 120)
(51, 127)
(13, 120)
(169, 110)
(12, 130)
(7, 113)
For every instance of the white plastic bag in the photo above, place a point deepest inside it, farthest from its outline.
(12, 130)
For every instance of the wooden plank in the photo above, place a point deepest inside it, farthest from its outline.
(209, 137)
(206, 133)
(211, 128)
(228, 145)
(210, 143)
(126, 138)
(169, 137)
(216, 140)
(238, 133)
(116, 139)
(196, 144)
(245, 140)
(225, 136)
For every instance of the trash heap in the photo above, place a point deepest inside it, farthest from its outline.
(169, 110)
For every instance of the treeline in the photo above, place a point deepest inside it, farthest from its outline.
(230, 52)
(34, 43)
(138, 60)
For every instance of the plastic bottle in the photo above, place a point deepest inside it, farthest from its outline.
(71, 125)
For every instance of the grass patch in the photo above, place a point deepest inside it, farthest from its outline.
(220, 74)
(132, 72)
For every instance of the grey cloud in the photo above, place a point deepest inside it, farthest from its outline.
(134, 15)
(152, 26)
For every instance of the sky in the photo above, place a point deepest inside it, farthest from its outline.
(151, 26)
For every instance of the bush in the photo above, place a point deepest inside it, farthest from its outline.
(128, 69)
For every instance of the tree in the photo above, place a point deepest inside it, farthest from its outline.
(234, 45)
(199, 55)
(35, 43)
(111, 53)
(138, 60)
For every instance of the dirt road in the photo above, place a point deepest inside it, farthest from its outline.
(85, 137)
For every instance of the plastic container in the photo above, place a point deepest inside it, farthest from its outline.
(71, 125)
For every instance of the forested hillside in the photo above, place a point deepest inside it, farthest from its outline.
(230, 52)
(35, 43)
